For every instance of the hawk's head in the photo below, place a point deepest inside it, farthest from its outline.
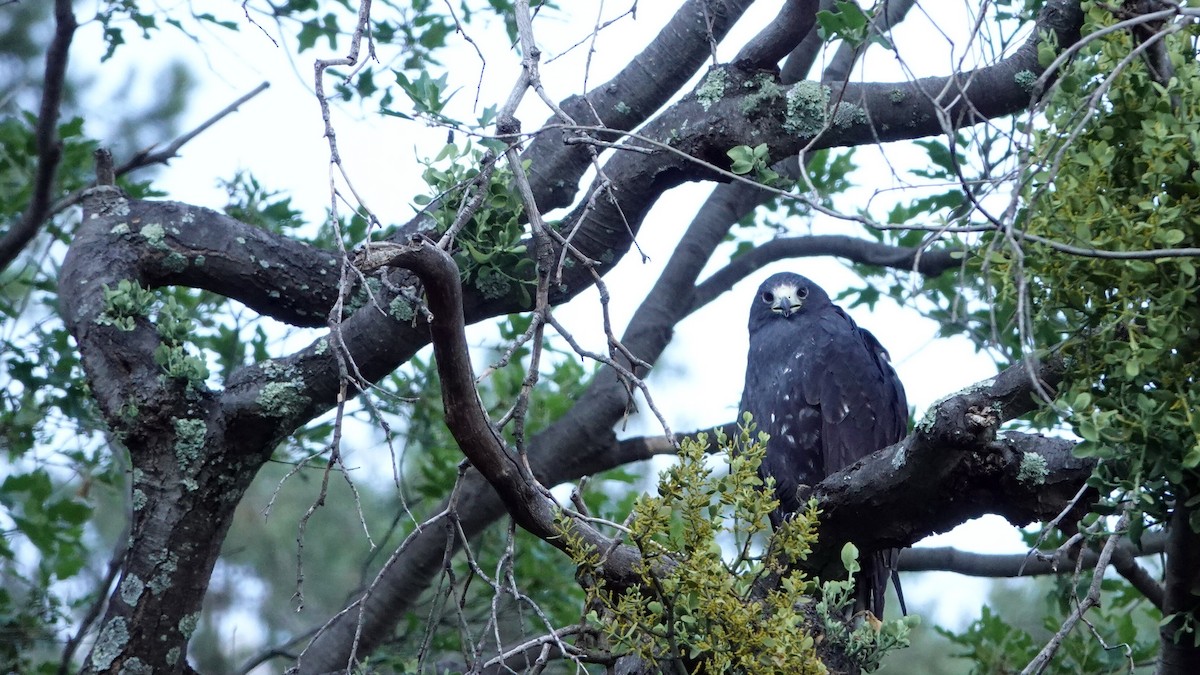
(784, 296)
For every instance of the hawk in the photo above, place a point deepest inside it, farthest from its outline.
(825, 392)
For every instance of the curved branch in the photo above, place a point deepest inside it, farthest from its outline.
(923, 261)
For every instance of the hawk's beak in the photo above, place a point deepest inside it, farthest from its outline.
(786, 304)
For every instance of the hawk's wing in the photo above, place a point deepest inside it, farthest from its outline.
(862, 402)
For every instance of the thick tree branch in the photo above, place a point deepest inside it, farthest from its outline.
(192, 461)
(959, 467)
(764, 51)
(49, 148)
(808, 116)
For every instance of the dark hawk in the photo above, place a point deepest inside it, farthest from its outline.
(824, 391)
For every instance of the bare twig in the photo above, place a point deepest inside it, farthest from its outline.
(151, 155)
(1091, 599)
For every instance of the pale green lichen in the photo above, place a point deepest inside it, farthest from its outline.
(849, 114)
(279, 370)
(806, 105)
(321, 347)
(282, 399)
(199, 260)
(363, 294)
(1026, 80)
(166, 564)
(175, 262)
(172, 656)
(622, 107)
(139, 499)
(240, 240)
(119, 229)
(712, 89)
(401, 309)
(764, 90)
(899, 458)
(154, 234)
(110, 643)
(189, 440)
(114, 204)
(124, 304)
(135, 666)
(187, 625)
(492, 283)
(1033, 470)
(264, 264)
(131, 590)
(897, 96)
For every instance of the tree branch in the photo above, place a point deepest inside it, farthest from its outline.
(49, 148)
(959, 467)
(150, 156)
(795, 20)
(930, 263)
(1009, 565)
(630, 97)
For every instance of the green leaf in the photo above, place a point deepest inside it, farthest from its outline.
(1192, 459)
(850, 558)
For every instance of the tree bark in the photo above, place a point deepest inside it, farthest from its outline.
(1181, 600)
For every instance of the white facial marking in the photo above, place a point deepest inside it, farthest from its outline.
(785, 289)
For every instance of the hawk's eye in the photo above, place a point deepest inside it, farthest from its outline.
(768, 297)
(802, 292)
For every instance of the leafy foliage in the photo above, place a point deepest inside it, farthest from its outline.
(1125, 183)
(864, 640)
(1004, 638)
(695, 604)
(488, 248)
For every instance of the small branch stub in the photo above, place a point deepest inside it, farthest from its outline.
(105, 173)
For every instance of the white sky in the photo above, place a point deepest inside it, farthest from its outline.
(278, 137)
